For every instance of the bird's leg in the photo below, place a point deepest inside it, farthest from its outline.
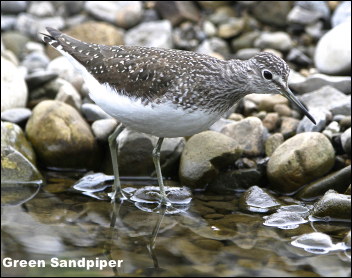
(156, 159)
(113, 151)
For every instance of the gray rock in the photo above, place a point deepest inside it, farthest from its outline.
(68, 94)
(300, 160)
(35, 61)
(13, 7)
(41, 8)
(247, 53)
(8, 22)
(61, 137)
(332, 54)
(16, 115)
(14, 90)
(328, 98)
(267, 102)
(315, 30)
(331, 130)
(339, 181)
(256, 199)
(64, 68)
(346, 141)
(333, 205)
(283, 110)
(151, 34)
(136, 149)
(320, 116)
(178, 11)
(298, 57)
(31, 25)
(16, 42)
(308, 12)
(273, 142)
(236, 180)
(204, 154)
(277, 40)
(125, 14)
(221, 15)
(271, 121)
(93, 112)
(316, 81)
(212, 45)
(48, 90)
(248, 135)
(342, 13)
(272, 13)
(244, 41)
(209, 28)
(102, 129)
(187, 36)
(39, 78)
(220, 124)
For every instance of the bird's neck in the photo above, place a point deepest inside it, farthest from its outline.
(236, 79)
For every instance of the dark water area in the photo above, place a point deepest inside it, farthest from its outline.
(211, 236)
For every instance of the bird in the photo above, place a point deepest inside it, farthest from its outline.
(167, 92)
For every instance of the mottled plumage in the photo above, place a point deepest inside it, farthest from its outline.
(190, 80)
(166, 92)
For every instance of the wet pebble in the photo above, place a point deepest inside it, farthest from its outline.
(257, 199)
(338, 180)
(333, 206)
(16, 115)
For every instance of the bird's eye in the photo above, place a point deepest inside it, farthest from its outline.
(267, 75)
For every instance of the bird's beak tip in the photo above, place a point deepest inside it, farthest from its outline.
(289, 95)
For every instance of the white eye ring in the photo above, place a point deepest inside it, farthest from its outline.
(267, 74)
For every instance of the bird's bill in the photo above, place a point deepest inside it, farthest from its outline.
(288, 94)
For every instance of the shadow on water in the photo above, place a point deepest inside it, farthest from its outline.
(212, 237)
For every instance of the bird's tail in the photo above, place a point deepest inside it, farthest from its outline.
(51, 38)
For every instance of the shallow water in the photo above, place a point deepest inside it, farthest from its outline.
(210, 237)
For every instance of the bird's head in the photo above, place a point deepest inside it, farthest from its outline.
(271, 75)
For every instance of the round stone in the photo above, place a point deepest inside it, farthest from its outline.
(299, 160)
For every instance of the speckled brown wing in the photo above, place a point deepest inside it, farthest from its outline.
(129, 72)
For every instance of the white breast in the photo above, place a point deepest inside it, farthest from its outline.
(162, 120)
